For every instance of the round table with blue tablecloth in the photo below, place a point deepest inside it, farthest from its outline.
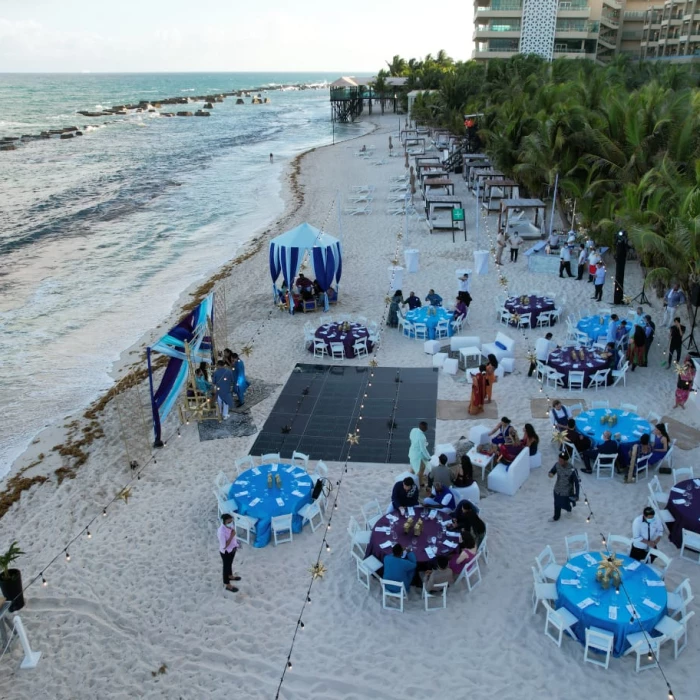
(431, 316)
(577, 585)
(593, 328)
(527, 304)
(254, 498)
(629, 426)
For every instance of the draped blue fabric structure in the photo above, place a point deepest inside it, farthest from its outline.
(287, 251)
(193, 329)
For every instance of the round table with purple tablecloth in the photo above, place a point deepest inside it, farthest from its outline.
(686, 511)
(390, 529)
(566, 360)
(534, 306)
(333, 333)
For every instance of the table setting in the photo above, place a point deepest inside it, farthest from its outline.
(270, 490)
(431, 316)
(578, 359)
(625, 426)
(613, 592)
(597, 325)
(527, 304)
(346, 333)
(420, 530)
(684, 506)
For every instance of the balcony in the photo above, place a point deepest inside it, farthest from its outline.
(612, 22)
(485, 32)
(486, 53)
(613, 3)
(608, 42)
(501, 6)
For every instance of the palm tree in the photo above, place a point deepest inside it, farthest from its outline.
(397, 67)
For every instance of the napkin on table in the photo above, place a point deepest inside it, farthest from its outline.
(612, 612)
(383, 529)
(585, 603)
(431, 552)
(386, 544)
(677, 490)
(289, 470)
(697, 482)
(680, 501)
(591, 560)
(432, 515)
(256, 471)
(570, 581)
(254, 502)
(452, 533)
(240, 493)
(391, 517)
(451, 545)
(633, 566)
(298, 494)
(280, 502)
(274, 467)
(655, 583)
(242, 482)
(632, 611)
(411, 512)
(625, 414)
(575, 569)
(651, 604)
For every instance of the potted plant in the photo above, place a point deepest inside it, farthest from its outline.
(11, 579)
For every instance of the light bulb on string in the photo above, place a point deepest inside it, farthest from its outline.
(308, 599)
(289, 665)
(67, 556)
(89, 534)
(44, 582)
(301, 624)
(104, 512)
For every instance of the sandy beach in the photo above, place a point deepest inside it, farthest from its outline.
(144, 592)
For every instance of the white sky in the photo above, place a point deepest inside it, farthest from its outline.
(227, 35)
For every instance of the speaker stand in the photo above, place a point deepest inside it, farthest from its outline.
(690, 338)
(641, 298)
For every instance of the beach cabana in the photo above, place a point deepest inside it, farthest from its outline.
(194, 330)
(287, 253)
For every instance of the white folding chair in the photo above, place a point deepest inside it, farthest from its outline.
(388, 595)
(542, 371)
(680, 598)
(621, 374)
(309, 337)
(676, 631)
(562, 621)
(691, 541)
(576, 544)
(632, 408)
(664, 514)
(223, 484)
(337, 351)
(600, 404)
(224, 504)
(320, 348)
(659, 495)
(668, 457)
(661, 563)
(441, 596)
(301, 460)
(408, 329)
(420, 330)
(359, 538)
(653, 417)
(681, 474)
(246, 525)
(575, 456)
(600, 641)
(618, 544)
(270, 458)
(575, 407)
(524, 320)
(442, 330)
(541, 590)
(576, 380)
(366, 569)
(360, 348)
(603, 462)
(309, 512)
(641, 467)
(554, 377)
(324, 321)
(547, 564)
(371, 512)
(645, 647)
(505, 316)
(544, 319)
(599, 379)
(244, 463)
(471, 574)
(282, 529)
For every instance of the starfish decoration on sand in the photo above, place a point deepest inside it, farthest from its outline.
(399, 236)
(395, 261)
(559, 436)
(282, 306)
(626, 299)
(125, 494)
(678, 369)
(531, 357)
(247, 350)
(387, 300)
(503, 281)
(353, 438)
(373, 363)
(318, 570)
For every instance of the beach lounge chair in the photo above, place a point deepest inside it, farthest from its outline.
(358, 209)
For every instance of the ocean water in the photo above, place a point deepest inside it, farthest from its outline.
(100, 234)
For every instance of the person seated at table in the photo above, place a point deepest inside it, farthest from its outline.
(332, 295)
(610, 357)
(441, 497)
(491, 378)
(613, 325)
(413, 301)
(559, 415)
(623, 337)
(442, 574)
(504, 433)
(460, 310)
(580, 441)
(553, 240)
(399, 566)
(392, 319)
(642, 453)
(202, 385)
(441, 472)
(318, 290)
(507, 453)
(404, 494)
(464, 477)
(466, 551)
(661, 443)
(466, 517)
(647, 531)
(607, 447)
(433, 299)
(304, 283)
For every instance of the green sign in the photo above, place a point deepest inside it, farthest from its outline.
(458, 215)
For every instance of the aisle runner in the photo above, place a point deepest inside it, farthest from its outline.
(459, 410)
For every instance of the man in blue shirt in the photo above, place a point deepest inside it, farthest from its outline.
(413, 301)
(434, 299)
(673, 299)
(599, 281)
(399, 566)
(611, 337)
(607, 447)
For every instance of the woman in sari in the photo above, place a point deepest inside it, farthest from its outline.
(240, 381)
(507, 453)
(476, 405)
(392, 319)
(637, 348)
(686, 375)
(491, 378)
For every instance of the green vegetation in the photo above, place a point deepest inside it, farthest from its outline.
(623, 138)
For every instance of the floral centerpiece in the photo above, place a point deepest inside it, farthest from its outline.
(432, 311)
(609, 571)
(418, 528)
(408, 525)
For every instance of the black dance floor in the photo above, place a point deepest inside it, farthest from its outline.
(320, 405)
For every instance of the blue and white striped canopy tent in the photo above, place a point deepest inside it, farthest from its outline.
(287, 252)
(194, 330)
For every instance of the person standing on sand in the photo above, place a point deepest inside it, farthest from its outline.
(223, 380)
(418, 454)
(271, 158)
(228, 544)
(562, 488)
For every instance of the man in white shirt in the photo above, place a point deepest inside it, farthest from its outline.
(515, 242)
(593, 258)
(582, 262)
(500, 247)
(565, 261)
(599, 280)
(463, 285)
(646, 533)
(418, 455)
(543, 347)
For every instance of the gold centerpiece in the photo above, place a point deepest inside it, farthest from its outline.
(278, 481)
(418, 527)
(269, 481)
(408, 525)
(609, 571)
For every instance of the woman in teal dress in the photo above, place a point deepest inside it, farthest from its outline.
(240, 383)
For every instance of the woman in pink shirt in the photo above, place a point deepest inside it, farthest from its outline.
(228, 544)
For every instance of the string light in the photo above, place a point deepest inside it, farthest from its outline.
(89, 534)
(67, 556)
(44, 582)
